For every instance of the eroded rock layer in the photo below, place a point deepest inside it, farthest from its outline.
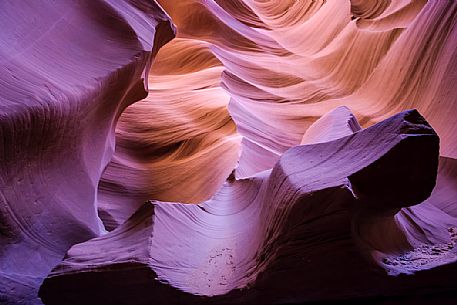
(270, 140)
(164, 141)
(68, 69)
(285, 64)
(321, 204)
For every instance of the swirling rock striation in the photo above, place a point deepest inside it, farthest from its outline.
(248, 112)
(284, 65)
(309, 212)
(68, 69)
(164, 141)
(287, 63)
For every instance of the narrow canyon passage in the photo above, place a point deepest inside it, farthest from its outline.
(228, 152)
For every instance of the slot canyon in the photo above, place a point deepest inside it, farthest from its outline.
(228, 152)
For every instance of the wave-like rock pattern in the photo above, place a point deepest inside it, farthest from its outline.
(164, 141)
(319, 206)
(286, 64)
(68, 69)
(290, 62)
(373, 66)
(247, 111)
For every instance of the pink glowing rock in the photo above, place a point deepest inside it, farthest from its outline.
(294, 62)
(261, 185)
(336, 124)
(286, 64)
(164, 141)
(239, 246)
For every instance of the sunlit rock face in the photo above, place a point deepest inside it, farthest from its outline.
(164, 141)
(228, 152)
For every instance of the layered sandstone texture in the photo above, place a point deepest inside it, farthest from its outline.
(68, 70)
(228, 152)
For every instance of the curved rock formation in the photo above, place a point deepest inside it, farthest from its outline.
(377, 64)
(164, 141)
(236, 247)
(247, 113)
(286, 64)
(65, 78)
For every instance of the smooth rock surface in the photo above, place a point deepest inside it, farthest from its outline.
(298, 222)
(282, 120)
(68, 69)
